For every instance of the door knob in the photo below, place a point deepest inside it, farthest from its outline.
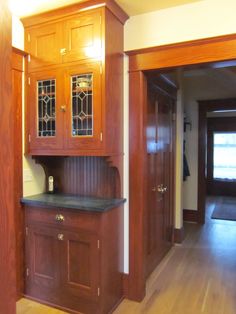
(60, 236)
(63, 51)
(161, 189)
(63, 108)
(59, 217)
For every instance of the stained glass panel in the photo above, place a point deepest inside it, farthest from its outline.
(46, 108)
(82, 105)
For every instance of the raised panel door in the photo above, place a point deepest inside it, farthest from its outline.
(83, 99)
(82, 37)
(80, 265)
(45, 112)
(44, 44)
(42, 255)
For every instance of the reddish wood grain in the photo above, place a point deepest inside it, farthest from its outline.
(17, 68)
(7, 227)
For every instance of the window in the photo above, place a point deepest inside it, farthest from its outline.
(224, 156)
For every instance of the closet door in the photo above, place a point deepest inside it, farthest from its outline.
(159, 222)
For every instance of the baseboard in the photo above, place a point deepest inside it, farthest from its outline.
(125, 284)
(179, 235)
(190, 215)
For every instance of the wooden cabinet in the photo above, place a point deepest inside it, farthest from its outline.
(67, 259)
(72, 39)
(76, 54)
(65, 108)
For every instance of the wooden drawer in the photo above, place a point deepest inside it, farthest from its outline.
(71, 218)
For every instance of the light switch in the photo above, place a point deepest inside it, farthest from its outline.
(27, 175)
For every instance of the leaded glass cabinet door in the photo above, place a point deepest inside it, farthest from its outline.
(84, 121)
(45, 115)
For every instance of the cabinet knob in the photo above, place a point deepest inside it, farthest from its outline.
(60, 236)
(59, 217)
(63, 108)
(63, 51)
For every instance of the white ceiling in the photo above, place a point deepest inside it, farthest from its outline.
(132, 7)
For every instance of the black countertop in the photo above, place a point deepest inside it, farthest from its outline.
(70, 201)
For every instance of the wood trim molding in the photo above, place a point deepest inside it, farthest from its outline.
(125, 284)
(82, 6)
(190, 215)
(179, 235)
(195, 52)
(7, 194)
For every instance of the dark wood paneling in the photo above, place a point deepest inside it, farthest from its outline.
(190, 215)
(137, 184)
(179, 235)
(90, 176)
(113, 84)
(214, 186)
(7, 195)
(17, 68)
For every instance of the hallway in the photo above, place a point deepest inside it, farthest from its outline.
(196, 277)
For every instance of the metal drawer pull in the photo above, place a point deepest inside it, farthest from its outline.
(59, 217)
(60, 236)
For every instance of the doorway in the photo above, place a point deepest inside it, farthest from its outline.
(218, 49)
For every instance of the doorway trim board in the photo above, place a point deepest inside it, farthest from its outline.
(186, 54)
(205, 106)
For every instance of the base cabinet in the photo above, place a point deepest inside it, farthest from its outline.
(74, 267)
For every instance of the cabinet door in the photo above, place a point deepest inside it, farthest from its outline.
(82, 37)
(44, 45)
(44, 114)
(84, 116)
(80, 264)
(42, 256)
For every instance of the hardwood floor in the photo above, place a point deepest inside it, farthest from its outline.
(196, 277)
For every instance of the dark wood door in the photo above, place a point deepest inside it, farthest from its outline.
(83, 100)
(44, 43)
(159, 178)
(80, 264)
(82, 37)
(42, 268)
(45, 111)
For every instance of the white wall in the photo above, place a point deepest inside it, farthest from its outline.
(207, 18)
(195, 88)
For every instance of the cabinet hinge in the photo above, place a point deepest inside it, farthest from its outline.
(29, 80)
(98, 292)
(27, 272)
(29, 58)
(100, 68)
(29, 138)
(173, 116)
(26, 231)
(98, 244)
(101, 136)
(28, 37)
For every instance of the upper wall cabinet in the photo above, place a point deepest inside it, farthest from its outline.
(73, 39)
(75, 80)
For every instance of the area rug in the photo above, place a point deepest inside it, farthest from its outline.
(225, 210)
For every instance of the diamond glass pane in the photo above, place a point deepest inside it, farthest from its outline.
(46, 108)
(82, 105)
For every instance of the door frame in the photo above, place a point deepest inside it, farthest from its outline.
(205, 106)
(190, 53)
